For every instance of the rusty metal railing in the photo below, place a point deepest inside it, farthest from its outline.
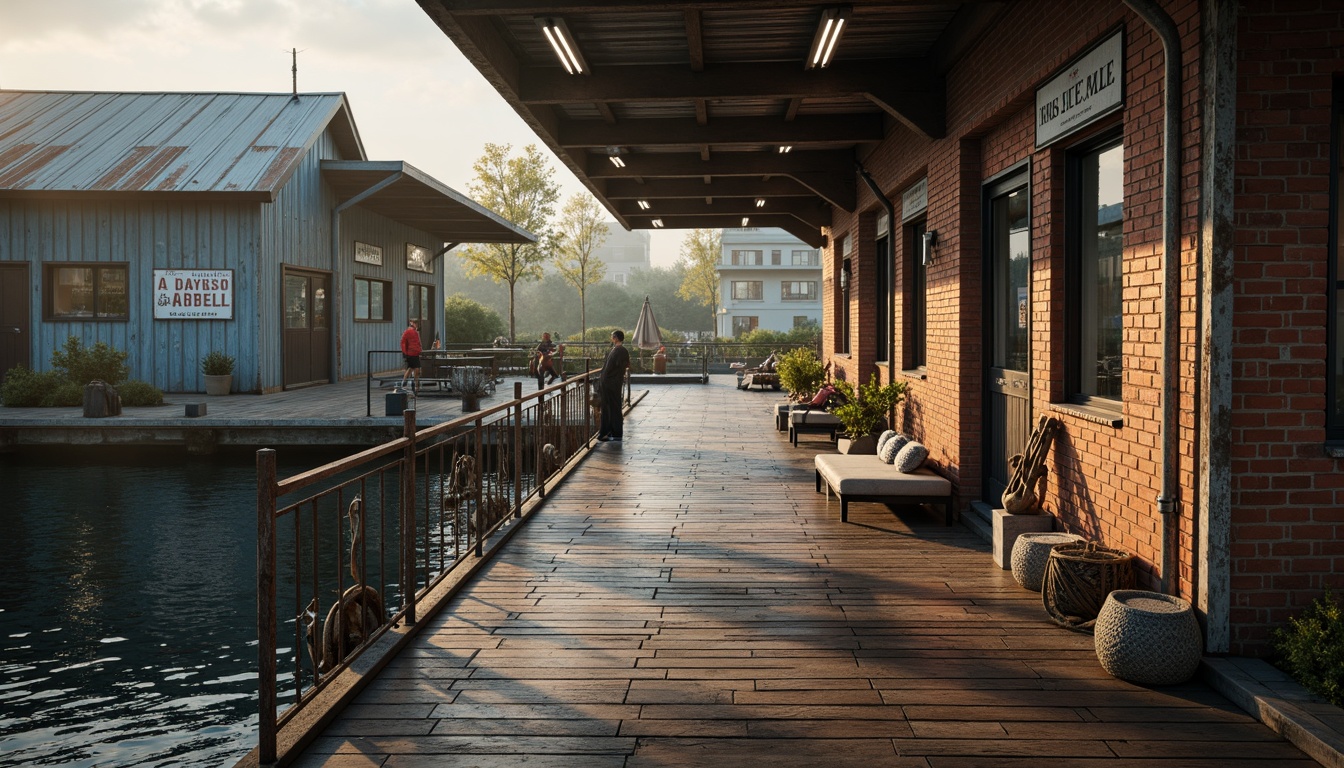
(345, 551)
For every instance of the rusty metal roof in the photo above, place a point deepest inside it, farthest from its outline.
(163, 143)
(697, 96)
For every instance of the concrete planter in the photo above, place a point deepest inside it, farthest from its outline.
(218, 385)
(865, 444)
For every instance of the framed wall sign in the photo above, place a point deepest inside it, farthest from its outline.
(417, 258)
(193, 294)
(368, 254)
(1085, 90)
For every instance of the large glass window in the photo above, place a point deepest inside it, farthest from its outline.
(916, 295)
(1335, 383)
(373, 299)
(1100, 207)
(745, 324)
(886, 313)
(86, 291)
(807, 258)
(748, 258)
(749, 290)
(420, 303)
(798, 290)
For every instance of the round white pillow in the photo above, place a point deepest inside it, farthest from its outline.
(911, 457)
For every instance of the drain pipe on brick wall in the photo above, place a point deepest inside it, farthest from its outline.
(891, 273)
(1167, 506)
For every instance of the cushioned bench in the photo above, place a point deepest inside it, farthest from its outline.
(813, 422)
(868, 478)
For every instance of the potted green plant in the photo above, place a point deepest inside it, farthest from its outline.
(218, 370)
(801, 373)
(865, 411)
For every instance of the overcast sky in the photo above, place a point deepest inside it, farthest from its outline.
(415, 98)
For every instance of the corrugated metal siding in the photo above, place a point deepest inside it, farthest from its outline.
(159, 142)
(148, 236)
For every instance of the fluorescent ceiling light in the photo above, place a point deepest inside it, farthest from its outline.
(562, 42)
(760, 202)
(644, 205)
(617, 161)
(658, 223)
(786, 149)
(745, 219)
(829, 29)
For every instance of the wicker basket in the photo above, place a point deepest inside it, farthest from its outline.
(1078, 578)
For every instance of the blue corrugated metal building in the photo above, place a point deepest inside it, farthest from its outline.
(176, 224)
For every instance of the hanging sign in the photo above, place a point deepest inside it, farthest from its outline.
(418, 258)
(1087, 89)
(193, 294)
(368, 254)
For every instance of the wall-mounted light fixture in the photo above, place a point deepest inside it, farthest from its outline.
(930, 240)
(829, 29)
(643, 205)
(844, 279)
(562, 42)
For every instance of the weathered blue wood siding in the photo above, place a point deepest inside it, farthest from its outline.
(146, 236)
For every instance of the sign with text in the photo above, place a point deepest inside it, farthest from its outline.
(1087, 89)
(193, 294)
(915, 200)
(368, 254)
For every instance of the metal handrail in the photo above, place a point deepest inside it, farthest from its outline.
(436, 493)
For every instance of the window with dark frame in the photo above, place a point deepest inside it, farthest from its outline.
(748, 258)
(747, 290)
(1096, 193)
(373, 300)
(420, 304)
(744, 324)
(882, 285)
(798, 290)
(916, 296)
(1335, 334)
(86, 291)
(845, 286)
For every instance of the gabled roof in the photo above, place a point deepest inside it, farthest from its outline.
(100, 144)
(699, 98)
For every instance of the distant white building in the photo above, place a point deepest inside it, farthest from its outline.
(767, 279)
(624, 252)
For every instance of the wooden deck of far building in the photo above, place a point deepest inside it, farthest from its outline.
(687, 599)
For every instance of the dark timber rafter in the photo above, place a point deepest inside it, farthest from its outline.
(810, 212)
(723, 131)
(730, 186)
(808, 234)
(828, 173)
(907, 89)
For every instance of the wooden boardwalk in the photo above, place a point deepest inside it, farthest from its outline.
(687, 599)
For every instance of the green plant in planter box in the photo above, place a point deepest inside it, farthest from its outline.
(801, 373)
(217, 364)
(866, 409)
(1311, 649)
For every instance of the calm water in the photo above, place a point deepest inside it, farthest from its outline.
(127, 615)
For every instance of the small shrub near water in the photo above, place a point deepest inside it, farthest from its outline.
(1311, 649)
(25, 388)
(81, 364)
(140, 393)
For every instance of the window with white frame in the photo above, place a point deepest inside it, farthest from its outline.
(744, 324)
(747, 290)
(806, 258)
(748, 258)
(798, 290)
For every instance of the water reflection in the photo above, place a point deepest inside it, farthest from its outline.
(127, 626)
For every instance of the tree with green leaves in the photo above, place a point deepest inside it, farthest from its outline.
(523, 191)
(581, 231)
(700, 261)
(465, 319)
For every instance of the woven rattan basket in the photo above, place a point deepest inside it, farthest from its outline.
(1078, 578)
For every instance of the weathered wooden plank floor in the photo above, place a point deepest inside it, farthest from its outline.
(688, 599)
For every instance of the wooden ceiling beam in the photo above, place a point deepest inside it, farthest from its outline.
(726, 131)
(808, 234)
(725, 187)
(542, 7)
(695, 40)
(812, 212)
(829, 173)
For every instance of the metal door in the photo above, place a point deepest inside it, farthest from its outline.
(1008, 329)
(307, 339)
(14, 317)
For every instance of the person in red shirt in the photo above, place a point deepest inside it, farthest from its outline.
(410, 349)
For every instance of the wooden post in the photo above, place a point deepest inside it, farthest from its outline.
(266, 606)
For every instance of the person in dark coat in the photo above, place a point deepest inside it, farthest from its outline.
(610, 386)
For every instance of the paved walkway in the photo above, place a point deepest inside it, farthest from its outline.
(687, 599)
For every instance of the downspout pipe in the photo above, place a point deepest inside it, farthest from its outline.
(335, 304)
(891, 269)
(1167, 507)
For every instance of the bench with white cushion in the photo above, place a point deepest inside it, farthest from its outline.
(814, 422)
(867, 478)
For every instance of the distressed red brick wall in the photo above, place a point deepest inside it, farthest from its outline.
(1287, 494)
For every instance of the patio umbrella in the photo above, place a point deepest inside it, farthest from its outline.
(647, 335)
